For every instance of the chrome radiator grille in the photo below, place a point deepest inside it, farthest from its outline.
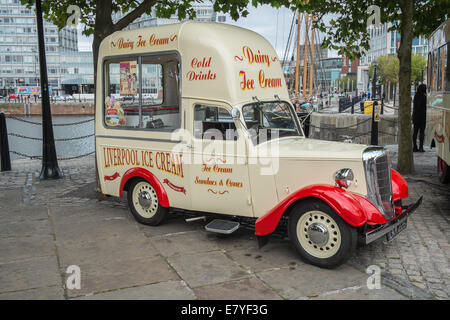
(384, 182)
(379, 184)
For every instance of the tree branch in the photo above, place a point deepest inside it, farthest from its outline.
(133, 15)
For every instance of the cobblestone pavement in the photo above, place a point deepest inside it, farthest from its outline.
(46, 226)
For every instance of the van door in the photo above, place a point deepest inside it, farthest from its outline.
(219, 179)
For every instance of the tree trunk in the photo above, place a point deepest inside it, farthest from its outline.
(405, 163)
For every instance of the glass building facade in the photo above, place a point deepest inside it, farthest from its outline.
(69, 70)
(19, 55)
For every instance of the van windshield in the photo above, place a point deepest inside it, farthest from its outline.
(270, 120)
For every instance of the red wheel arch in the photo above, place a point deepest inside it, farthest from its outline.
(150, 177)
(399, 186)
(341, 201)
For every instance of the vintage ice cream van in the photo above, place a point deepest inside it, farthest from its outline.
(438, 103)
(196, 116)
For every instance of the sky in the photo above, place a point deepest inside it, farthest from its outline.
(273, 24)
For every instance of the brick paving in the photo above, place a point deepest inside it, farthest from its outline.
(47, 226)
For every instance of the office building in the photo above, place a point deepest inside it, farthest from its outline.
(19, 54)
(384, 42)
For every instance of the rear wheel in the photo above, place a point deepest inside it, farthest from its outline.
(144, 203)
(320, 235)
(444, 171)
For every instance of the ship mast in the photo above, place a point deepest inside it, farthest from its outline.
(298, 56)
(311, 67)
(305, 62)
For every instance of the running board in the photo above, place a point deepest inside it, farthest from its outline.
(222, 226)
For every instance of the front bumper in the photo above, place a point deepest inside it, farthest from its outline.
(372, 235)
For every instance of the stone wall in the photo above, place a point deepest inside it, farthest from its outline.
(57, 108)
(355, 128)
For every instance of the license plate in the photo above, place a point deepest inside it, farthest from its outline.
(396, 230)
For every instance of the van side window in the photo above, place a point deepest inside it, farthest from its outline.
(121, 83)
(142, 92)
(160, 93)
(213, 123)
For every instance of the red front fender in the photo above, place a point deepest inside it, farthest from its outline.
(150, 177)
(399, 186)
(342, 202)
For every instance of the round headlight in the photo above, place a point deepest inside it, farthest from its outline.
(344, 178)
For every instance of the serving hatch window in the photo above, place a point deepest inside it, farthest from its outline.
(213, 123)
(142, 92)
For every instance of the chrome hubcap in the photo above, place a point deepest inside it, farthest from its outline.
(318, 234)
(145, 200)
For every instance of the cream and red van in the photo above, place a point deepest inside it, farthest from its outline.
(437, 132)
(196, 116)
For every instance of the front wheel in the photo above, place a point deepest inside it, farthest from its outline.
(144, 203)
(444, 171)
(320, 235)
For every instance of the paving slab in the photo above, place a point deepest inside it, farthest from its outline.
(76, 213)
(46, 293)
(169, 290)
(184, 242)
(276, 254)
(245, 289)
(11, 198)
(29, 274)
(240, 239)
(109, 250)
(91, 228)
(19, 248)
(205, 268)
(22, 213)
(25, 228)
(307, 280)
(361, 293)
(123, 274)
(173, 224)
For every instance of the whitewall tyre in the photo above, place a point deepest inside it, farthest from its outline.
(320, 235)
(144, 203)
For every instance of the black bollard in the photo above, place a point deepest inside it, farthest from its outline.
(5, 160)
(374, 133)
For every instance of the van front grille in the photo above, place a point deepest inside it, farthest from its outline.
(384, 182)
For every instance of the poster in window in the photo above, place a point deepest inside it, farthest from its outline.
(114, 115)
(128, 78)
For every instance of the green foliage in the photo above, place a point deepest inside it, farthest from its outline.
(418, 66)
(388, 69)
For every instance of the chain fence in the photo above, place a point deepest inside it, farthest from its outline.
(36, 157)
(54, 124)
(360, 131)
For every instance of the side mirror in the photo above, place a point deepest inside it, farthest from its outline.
(235, 114)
